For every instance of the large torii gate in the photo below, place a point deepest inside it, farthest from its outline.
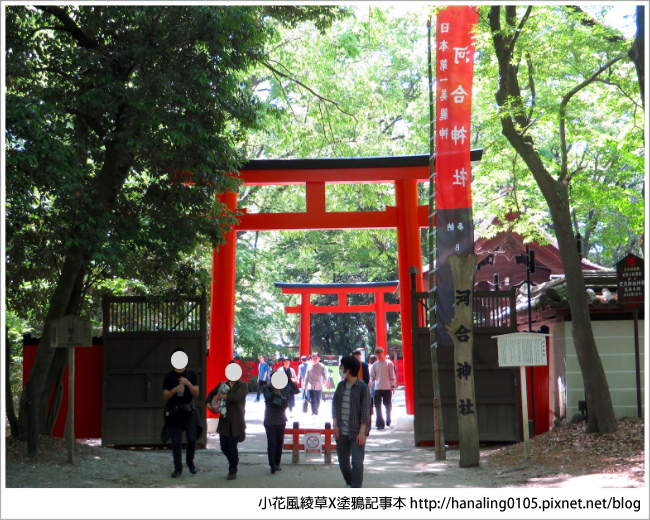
(407, 216)
(379, 306)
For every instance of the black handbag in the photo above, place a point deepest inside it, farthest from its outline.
(294, 387)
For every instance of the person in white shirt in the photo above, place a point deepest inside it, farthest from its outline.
(382, 374)
(315, 377)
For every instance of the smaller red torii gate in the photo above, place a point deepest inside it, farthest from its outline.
(306, 308)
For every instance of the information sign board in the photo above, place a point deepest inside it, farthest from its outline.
(70, 331)
(630, 280)
(522, 349)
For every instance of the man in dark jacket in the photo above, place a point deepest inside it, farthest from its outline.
(351, 414)
(180, 387)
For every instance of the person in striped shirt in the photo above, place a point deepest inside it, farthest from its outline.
(351, 414)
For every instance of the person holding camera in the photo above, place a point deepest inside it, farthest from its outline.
(232, 423)
(180, 387)
(276, 395)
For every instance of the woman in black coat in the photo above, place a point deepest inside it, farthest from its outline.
(275, 421)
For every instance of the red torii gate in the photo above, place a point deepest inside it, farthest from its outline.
(379, 307)
(406, 216)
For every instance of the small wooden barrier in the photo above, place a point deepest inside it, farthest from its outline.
(295, 447)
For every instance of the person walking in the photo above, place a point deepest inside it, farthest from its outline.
(263, 373)
(315, 377)
(232, 422)
(371, 385)
(302, 372)
(390, 358)
(275, 419)
(351, 421)
(365, 371)
(293, 378)
(383, 376)
(180, 387)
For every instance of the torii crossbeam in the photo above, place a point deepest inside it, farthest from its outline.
(407, 216)
(379, 306)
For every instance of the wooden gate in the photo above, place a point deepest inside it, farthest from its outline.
(497, 396)
(139, 338)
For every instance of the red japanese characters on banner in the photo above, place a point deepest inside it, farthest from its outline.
(455, 43)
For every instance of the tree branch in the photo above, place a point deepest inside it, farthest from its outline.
(53, 69)
(522, 22)
(70, 26)
(618, 86)
(531, 84)
(33, 32)
(391, 124)
(91, 121)
(282, 74)
(587, 21)
(563, 105)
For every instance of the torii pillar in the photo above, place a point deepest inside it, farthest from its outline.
(379, 307)
(407, 217)
(222, 303)
(409, 253)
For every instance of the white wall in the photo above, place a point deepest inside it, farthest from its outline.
(615, 342)
(557, 373)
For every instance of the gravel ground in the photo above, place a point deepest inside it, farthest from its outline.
(565, 457)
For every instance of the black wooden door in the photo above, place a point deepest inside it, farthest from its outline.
(139, 338)
(497, 389)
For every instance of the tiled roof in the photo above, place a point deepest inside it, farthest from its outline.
(600, 290)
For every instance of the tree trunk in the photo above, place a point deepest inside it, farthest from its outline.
(49, 363)
(72, 265)
(508, 97)
(60, 360)
(601, 411)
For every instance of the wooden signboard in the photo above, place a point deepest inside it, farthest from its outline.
(630, 281)
(70, 332)
(461, 330)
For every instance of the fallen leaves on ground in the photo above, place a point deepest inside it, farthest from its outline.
(570, 450)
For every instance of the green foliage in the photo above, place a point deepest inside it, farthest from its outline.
(277, 82)
(368, 96)
(605, 145)
(103, 105)
(15, 329)
(293, 16)
(367, 89)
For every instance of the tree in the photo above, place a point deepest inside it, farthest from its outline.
(107, 109)
(527, 112)
(341, 92)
